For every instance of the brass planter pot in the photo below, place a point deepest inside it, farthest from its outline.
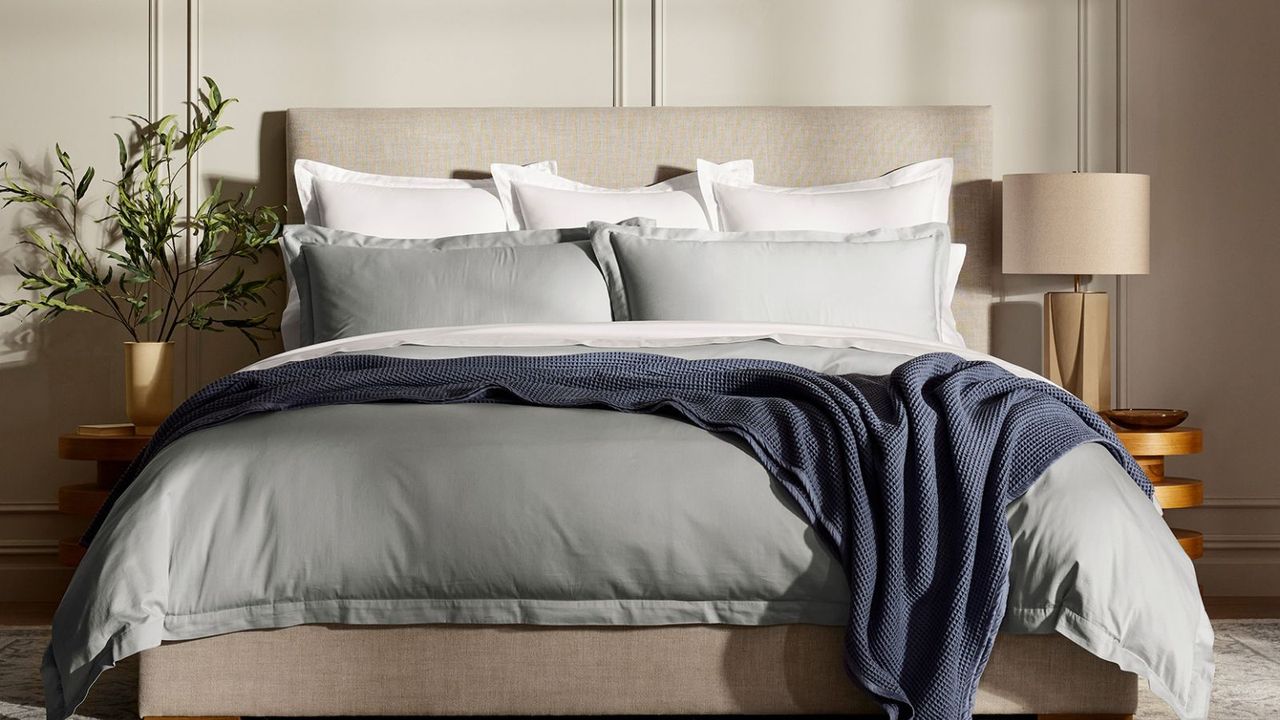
(148, 384)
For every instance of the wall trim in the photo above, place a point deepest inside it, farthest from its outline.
(1242, 503)
(619, 99)
(1255, 541)
(1082, 85)
(193, 341)
(658, 53)
(1121, 388)
(28, 547)
(153, 59)
(22, 507)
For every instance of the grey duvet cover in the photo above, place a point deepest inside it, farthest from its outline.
(400, 513)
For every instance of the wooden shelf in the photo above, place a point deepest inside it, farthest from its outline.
(1176, 492)
(81, 500)
(123, 448)
(1192, 541)
(1177, 441)
(69, 551)
(111, 455)
(1149, 448)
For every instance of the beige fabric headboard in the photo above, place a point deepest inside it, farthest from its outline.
(623, 147)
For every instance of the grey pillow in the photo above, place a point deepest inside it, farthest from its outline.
(359, 290)
(296, 321)
(890, 279)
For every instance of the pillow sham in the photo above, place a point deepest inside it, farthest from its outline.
(537, 198)
(398, 206)
(889, 279)
(296, 321)
(955, 259)
(911, 195)
(360, 290)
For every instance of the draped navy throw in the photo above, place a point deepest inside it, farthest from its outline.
(905, 477)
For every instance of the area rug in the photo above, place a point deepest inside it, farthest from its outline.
(1247, 686)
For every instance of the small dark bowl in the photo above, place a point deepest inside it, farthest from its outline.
(1145, 418)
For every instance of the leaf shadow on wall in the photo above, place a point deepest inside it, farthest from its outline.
(18, 333)
(218, 354)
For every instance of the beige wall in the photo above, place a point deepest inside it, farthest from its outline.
(1204, 121)
(68, 68)
(1024, 58)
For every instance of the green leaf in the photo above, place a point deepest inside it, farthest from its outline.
(150, 221)
(83, 187)
(63, 158)
(215, 133)
(60, 305)
(215, 95)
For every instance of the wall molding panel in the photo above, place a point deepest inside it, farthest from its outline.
(1058, 74)
(59, 375)
(1190, 340)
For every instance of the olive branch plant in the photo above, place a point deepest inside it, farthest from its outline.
(148, 277)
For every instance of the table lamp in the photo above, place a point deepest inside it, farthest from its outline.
(1077, 224)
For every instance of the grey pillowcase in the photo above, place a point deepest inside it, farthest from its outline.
(889, 279)
(297, 322)
(360, 290)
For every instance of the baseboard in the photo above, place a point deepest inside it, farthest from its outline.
(41, 580)
(1240, 565)
(1239, 579)
(29, 567)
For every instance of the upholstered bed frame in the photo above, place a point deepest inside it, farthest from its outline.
(694, 669)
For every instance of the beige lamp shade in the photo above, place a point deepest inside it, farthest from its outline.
(1077, 223)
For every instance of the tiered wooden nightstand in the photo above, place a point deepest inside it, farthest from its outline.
(112, 455)
(1149, 448)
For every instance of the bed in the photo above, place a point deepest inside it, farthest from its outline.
(531, 661)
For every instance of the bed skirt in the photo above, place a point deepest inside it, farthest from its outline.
(316, 670)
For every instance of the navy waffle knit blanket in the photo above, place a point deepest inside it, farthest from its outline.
(905, 477)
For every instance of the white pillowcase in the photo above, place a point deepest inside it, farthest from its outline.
(393, 206)
(535, 198)
(916, 194)
(913, 195)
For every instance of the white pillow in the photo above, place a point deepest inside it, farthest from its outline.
(398, 207)
(536, 198)
(913, 195)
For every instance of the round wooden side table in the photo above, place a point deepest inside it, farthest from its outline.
(1150, 448)
(112, 455)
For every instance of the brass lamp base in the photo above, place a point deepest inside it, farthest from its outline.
(1077, 345)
